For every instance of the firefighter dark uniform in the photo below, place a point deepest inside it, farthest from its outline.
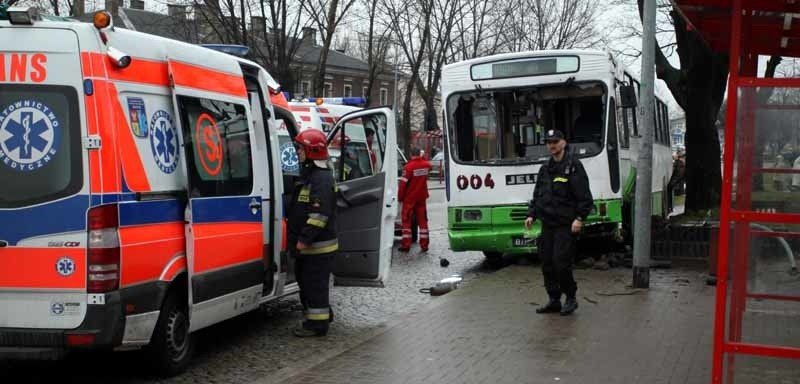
(413, 193)
(312, 222)
(560, 197)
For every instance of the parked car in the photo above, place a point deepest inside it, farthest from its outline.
(437, 164)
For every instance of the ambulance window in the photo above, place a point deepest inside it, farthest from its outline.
(356, 150)
(375, 126)
(219, 152)
(40, 144)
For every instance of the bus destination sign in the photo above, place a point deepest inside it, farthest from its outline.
(525, 67)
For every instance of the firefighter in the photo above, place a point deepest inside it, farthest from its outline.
(413, 193)
(562, 201)
(312, 231)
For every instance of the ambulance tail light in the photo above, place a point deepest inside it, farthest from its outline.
(103, 266)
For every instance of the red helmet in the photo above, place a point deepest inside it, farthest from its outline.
(314, 142)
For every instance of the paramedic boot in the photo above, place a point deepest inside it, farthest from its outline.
(552, 306)
(570, 305)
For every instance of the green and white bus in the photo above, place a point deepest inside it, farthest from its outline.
(496, 110)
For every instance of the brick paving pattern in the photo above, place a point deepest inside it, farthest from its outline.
(488, 332)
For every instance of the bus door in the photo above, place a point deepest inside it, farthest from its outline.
(366, 176)
(224, 221)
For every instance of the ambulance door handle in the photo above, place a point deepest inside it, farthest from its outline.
(254, 206)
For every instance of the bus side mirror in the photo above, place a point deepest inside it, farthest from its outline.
(627, 96)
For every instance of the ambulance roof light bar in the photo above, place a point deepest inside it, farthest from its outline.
(23, 15)
(354, 101)
(231, 49)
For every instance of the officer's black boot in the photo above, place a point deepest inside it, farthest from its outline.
(552, 306)
(570, 305)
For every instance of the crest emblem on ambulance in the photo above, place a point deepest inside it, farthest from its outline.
(164, 141)
(29, 135)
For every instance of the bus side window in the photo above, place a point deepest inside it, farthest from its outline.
(622, 125)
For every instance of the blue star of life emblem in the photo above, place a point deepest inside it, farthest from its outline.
(57, 308)
(289, 160)
(164, 141)
(29, 135)
(65, 266)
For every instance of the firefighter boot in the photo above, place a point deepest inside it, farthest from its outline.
(570, 305)
(552, 306)
(304, 330)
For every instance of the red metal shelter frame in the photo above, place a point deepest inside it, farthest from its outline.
(769, 31)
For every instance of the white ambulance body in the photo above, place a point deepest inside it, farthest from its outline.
(141, 192)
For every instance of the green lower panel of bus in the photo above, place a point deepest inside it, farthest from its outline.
(502, 228)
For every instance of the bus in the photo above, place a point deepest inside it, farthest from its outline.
(496, 110)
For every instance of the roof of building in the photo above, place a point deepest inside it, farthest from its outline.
(187, 30)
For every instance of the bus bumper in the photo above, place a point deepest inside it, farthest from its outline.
(509, 239)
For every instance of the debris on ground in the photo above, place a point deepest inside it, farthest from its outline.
(620, 293)
(590, 300)
(585, 263)
(602, 263)
(443, 262)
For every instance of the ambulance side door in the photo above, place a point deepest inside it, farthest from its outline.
(224, 222)
(361, 145)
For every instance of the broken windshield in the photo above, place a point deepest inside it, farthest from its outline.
(508, 125)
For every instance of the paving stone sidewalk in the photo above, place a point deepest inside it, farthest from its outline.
(487, 332)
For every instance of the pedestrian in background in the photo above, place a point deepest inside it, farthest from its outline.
(413, 193)
(562, 201)
(312, 232)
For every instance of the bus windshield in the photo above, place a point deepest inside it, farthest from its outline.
(489, 126)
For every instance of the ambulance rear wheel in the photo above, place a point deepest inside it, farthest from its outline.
(172, 345)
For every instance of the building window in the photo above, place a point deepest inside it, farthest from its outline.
(384, 96)
(348, 90)
(364, 92)
(328, 90)
(305, 87)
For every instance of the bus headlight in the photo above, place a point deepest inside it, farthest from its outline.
(473, 215)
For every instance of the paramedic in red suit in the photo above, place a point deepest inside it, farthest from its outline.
(413, 194)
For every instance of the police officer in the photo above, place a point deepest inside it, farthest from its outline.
(312, 231)
(562, 201)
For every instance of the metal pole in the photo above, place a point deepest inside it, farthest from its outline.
(644, 171)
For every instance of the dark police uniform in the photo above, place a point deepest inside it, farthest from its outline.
(561, 195)
(312, 221)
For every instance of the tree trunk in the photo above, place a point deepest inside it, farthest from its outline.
(430, 113)
(703, 167)
(705, 85)
(319, 78)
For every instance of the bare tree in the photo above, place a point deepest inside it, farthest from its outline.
(551, 24)
(410, 21)
(278, 41)
(437, 47)
(326, 14)
(698, 86)
(377, 42)
(478, 28)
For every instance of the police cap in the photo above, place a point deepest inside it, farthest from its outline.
(553, 135)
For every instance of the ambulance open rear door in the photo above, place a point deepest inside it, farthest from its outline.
(362, 148)
(224, 223)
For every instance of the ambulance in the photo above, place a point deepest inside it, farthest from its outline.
(141, 191)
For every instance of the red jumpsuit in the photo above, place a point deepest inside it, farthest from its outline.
(413, 193)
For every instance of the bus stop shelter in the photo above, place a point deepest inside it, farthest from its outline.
(757, 312)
